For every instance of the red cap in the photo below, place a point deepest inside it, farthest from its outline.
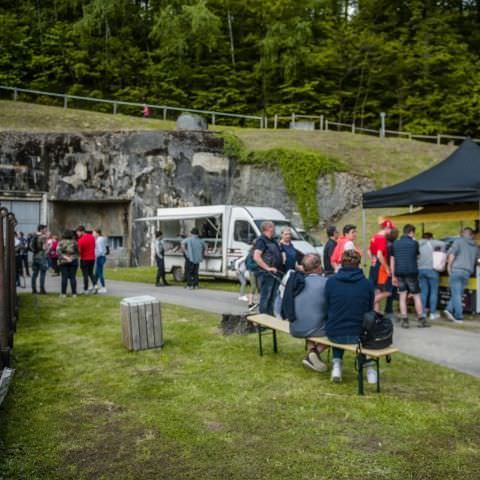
(387, 224)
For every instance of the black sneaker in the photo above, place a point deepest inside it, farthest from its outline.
(405, 323)
(422, 323)
(252, 306)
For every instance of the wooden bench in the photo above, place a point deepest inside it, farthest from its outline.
(267, 324)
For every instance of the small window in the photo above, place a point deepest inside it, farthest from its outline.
(115, 242)
(243, 232)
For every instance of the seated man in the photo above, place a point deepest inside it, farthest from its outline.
(349, 296)
(310, 311)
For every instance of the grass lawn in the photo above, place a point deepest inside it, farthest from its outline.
(147, 275)
(208, 407)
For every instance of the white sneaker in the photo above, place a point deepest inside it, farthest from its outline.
(63, 296)
(434, 316)
(336, 370)
(372, 374)
(449, 315)
(243, 298)
(102, 290)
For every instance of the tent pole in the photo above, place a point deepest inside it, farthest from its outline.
(364, 236)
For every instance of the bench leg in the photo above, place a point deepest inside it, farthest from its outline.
(275, 345)
(260, 346)
(377, 361)
(360, 361)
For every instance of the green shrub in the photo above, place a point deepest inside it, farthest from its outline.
(300, 170)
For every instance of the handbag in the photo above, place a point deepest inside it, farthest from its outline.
(439, 261)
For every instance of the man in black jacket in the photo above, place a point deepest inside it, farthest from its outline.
(404, 269)
(332, 233)
(268, 257)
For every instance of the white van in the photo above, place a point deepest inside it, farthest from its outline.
(227, 230)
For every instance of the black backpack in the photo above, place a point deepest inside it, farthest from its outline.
(35, 246)
(377, 331)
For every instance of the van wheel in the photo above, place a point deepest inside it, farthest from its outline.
(178, 274)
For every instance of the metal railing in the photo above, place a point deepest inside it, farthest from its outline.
(8, 289)
(211, 115)
(319, 122)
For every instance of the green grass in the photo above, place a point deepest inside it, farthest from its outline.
(208, 407)
(21, 116)
(148, 274)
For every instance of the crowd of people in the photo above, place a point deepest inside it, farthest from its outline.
(83, 247)
(330, 296)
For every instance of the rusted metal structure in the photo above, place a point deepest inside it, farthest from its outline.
(8, 290)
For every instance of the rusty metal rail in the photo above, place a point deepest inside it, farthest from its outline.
(8, 289)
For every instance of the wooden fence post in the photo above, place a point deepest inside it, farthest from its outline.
(266, 122)
(275, 121)
(213, 119)
(15, 94)
(321, 122)
(164, 113)
(326, 125)
(293, 118)
(439, 139)
(65, 101)
(353, 128)
(114, 108)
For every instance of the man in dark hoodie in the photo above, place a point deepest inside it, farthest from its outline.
(349, 296)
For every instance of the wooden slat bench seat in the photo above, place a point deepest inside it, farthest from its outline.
(268, 324)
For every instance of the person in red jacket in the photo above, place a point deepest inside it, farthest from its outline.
(86, 250)
(343, 244)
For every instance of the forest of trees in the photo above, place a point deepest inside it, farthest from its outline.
(419, 61)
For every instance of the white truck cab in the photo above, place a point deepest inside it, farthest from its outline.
(227, 230)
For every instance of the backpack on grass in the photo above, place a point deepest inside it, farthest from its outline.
(377, 331)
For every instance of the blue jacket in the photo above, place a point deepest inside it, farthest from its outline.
(294, 286)
(349, 296)
(405, 252)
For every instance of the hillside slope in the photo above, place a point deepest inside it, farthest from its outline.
(386, 161)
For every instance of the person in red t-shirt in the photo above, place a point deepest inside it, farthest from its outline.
(86, 250)
(380, 275)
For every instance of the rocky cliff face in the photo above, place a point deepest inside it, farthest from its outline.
(95, 173)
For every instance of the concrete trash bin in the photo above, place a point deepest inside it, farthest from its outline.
(141, 322)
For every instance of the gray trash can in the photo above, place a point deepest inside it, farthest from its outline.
(141, 322)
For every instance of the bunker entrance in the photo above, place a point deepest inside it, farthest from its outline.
(113, 218)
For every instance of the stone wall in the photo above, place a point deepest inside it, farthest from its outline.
(114, 178)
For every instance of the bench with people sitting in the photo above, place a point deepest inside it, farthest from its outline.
(331, 312)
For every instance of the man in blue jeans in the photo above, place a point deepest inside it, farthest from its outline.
(349, 296)
(268, 257)
(38, 245)
(462, 258)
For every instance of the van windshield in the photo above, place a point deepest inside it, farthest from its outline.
(279, 224)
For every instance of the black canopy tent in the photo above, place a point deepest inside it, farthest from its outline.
(454, 180)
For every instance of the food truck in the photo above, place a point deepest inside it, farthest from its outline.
(227, 230)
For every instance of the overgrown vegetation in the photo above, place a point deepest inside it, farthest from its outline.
(299, 168)
(349, 60)
(208, 407)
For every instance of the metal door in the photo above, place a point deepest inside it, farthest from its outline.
(26, 212)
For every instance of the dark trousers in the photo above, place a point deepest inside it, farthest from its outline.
(268, 289)
(54, 264)
(87, 267)
(192, 273)
(69, 274)
(24, 258)
(39, 267)
(160, 270)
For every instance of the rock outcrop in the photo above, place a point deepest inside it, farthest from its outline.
(114, 178)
